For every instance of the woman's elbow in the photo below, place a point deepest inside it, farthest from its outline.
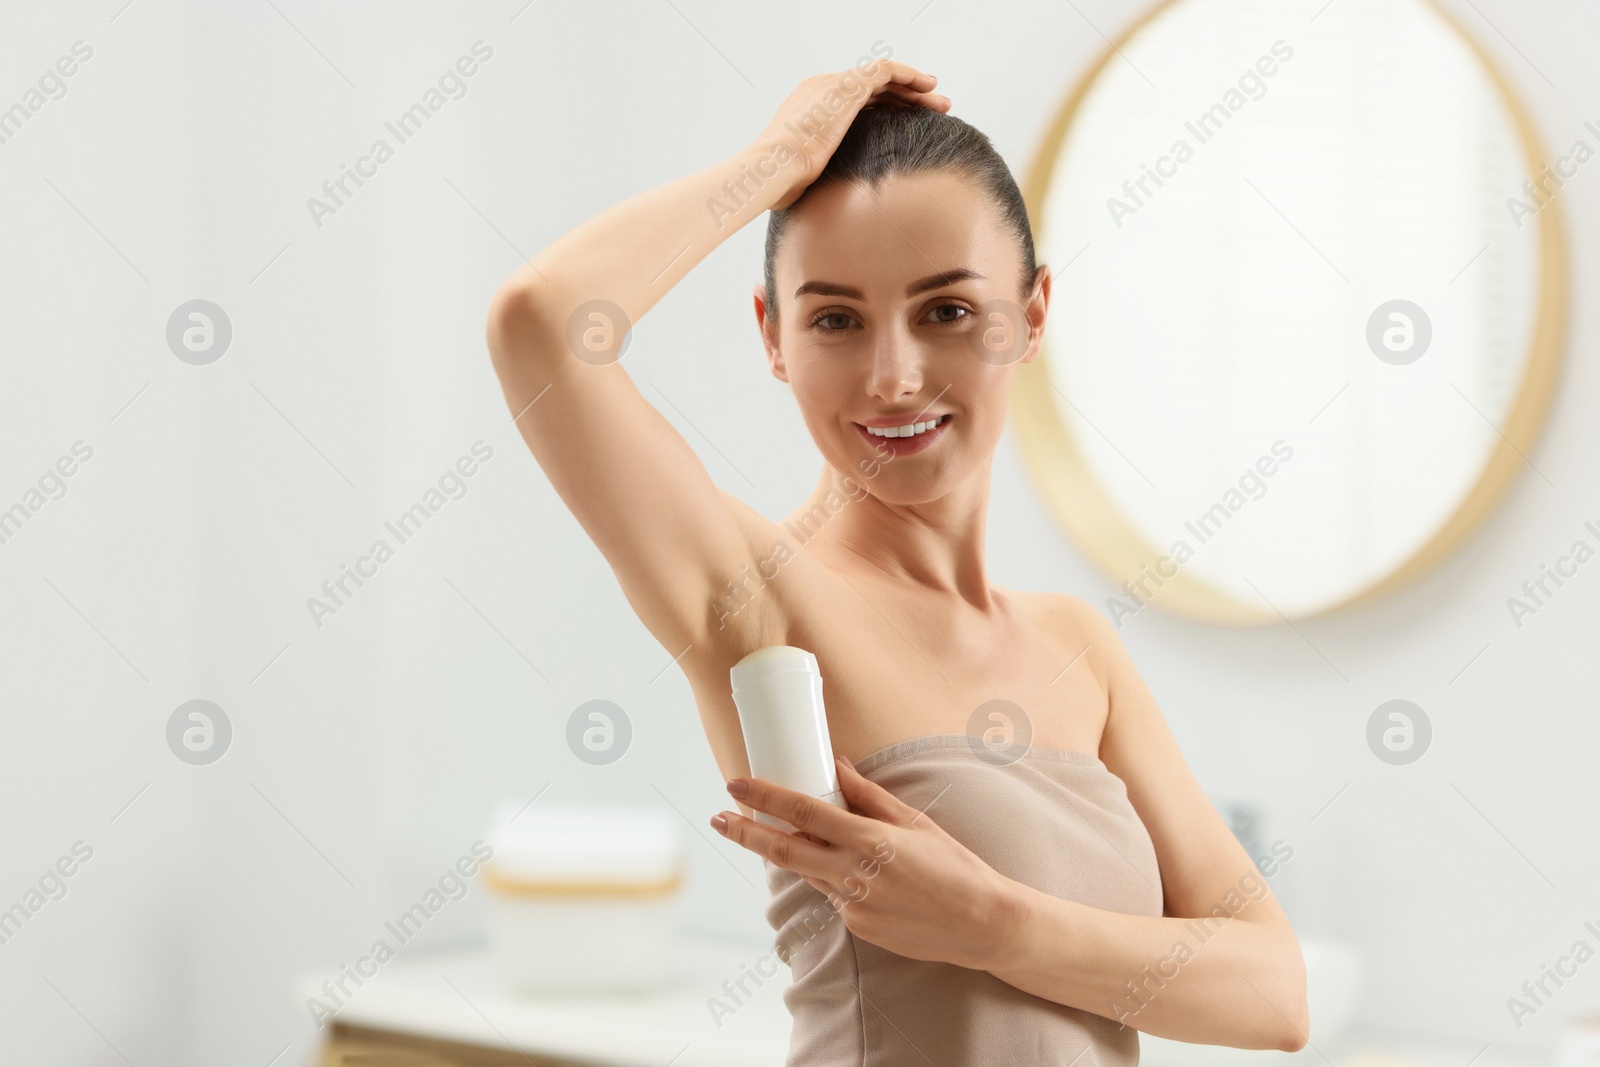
(1300, 1029)
(1293, 1011)
(514, 326)
(1275, 1014)
(1280, 1026)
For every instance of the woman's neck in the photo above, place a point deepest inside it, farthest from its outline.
(936, 545)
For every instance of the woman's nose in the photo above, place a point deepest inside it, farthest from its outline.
(896, 367)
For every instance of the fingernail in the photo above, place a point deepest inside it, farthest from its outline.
(719, 823)
(738, 788)
(846, 761)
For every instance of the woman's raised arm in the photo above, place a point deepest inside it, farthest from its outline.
(556, 326)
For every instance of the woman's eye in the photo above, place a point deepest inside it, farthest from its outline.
(948, 320)
(940, 315)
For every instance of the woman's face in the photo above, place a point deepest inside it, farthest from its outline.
(897, 307)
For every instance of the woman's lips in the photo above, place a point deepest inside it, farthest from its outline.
(905, 446)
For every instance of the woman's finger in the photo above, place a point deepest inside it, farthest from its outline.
(899, 81)
(872, 799)
(805, 813)
(782, 849)
(839, 897)
(900, 88)
(804, 148)
(904, 74)
(896, 92)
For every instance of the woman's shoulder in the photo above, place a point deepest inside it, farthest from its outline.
(1062, 612)
(1077, 625)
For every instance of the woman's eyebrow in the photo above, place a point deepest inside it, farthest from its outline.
(932, 281)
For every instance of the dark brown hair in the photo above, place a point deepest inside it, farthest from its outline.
(895, 139)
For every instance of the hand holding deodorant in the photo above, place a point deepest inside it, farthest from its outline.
(778, 691)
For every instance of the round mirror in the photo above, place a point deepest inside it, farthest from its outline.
(1307, 303)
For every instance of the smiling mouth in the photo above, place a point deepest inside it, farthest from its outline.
(910, 429)
(912, 437)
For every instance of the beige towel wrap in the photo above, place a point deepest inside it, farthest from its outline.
(1054, 819)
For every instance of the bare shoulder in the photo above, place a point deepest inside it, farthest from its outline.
(1078, 620)
(1134, 739)
(1136, 744)
(1078, 626)
(1201, 860)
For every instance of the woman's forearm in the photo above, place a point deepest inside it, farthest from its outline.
(1220, 981)
(632, 253)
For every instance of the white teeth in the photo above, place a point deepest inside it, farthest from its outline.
(910, 430)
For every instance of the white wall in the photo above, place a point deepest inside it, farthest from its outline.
(367, 756)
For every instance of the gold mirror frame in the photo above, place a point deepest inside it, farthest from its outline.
(1092, 519)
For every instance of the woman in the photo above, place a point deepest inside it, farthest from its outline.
(1035, 906)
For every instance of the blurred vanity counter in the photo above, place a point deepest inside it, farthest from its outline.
(1361, 1048)
(454, 1007)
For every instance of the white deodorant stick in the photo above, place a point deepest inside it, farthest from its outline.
(778, 691)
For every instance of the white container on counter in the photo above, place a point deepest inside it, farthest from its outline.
(581, 897)
(1580, 1042)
